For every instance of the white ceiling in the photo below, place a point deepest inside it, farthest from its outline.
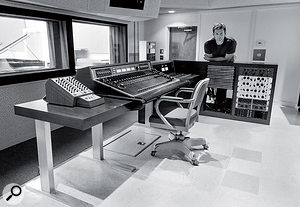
(195, 5)
(152, 7)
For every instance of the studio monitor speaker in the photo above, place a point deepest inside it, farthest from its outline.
(128, 4)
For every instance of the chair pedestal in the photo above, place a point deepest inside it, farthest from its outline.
(184, 145)
(195, 143)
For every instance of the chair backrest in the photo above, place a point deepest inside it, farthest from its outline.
(199, 92)
(197, 96)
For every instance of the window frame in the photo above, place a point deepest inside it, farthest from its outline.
(6, 79)
(102, 23)
(88, 21)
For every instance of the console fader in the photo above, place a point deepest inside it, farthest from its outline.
(136, 80)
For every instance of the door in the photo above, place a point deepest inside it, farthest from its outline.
(183, 43)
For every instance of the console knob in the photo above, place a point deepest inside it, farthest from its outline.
(121, 85)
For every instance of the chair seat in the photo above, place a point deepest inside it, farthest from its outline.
(176, 117)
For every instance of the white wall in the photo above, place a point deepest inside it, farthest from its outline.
(157, 29)
(278, 27)
(15, 129)
(239, 30)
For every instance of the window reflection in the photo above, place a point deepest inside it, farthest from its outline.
(91, 44)
(29, 45)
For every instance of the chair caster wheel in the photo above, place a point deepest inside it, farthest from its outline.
(195, 162)
(153, 153)
(205, 147)
(196, 159)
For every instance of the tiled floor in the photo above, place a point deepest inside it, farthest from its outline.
(247, 165)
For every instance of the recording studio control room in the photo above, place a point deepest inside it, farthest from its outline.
(137, 103)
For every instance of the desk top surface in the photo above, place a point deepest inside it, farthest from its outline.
(74, 117)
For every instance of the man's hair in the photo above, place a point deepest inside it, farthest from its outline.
(219, 26)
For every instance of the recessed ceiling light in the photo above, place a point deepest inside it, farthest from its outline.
(171, 11)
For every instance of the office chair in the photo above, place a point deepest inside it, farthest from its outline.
(180, 119)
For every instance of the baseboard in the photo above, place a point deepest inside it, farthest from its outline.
(286, 103)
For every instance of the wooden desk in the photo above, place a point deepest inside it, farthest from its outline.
(74, 117)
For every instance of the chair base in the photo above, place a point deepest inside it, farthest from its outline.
(184, 145)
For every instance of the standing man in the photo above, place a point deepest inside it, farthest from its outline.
(220, 49)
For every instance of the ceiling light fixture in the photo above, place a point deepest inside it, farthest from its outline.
(171, 11)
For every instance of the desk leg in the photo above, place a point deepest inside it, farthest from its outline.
(97, 141)
(43, 135)
(148, 112)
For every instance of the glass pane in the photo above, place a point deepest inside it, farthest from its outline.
(183, 43)
(25, 45)
(91, 44)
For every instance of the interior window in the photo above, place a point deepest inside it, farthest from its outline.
(98, 44)
(36, 45)
(31, 44)
(91, 44)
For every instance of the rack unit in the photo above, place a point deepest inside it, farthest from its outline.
(252, 86)
(221, 76)
(147, 50)
(254, 92)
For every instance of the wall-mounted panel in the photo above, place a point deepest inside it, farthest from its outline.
(255, 84)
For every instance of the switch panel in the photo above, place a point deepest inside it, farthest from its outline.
(254, 92)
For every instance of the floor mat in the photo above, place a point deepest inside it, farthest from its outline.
(131, 142)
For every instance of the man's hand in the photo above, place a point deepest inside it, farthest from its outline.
(207, 56)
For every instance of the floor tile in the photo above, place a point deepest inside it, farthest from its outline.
(278, 192)
(240, 181)
(35, 199)
(229, 197)
(202, 177)
(246, 154)
(215, 160)
(244, 166)
(220, 147)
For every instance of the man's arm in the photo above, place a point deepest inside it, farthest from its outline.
(209, 57)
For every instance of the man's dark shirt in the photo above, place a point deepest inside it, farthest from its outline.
(228, 47)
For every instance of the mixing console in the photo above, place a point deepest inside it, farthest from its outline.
(137, 80)
(168, 67)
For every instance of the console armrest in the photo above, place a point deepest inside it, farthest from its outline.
(171, 98)
(186, 89)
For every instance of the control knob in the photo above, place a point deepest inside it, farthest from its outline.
(121, 85)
